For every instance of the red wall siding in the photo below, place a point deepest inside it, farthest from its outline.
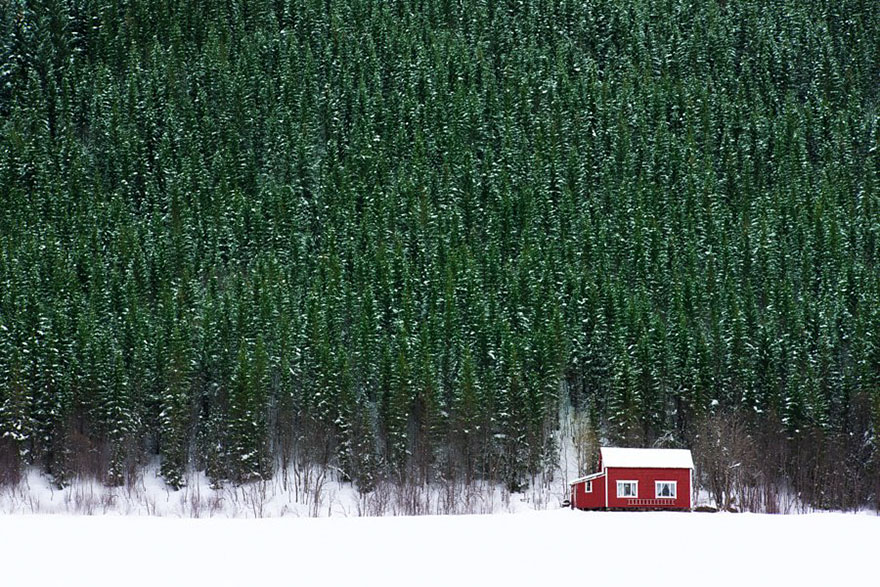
(596, 499)
(646, 479)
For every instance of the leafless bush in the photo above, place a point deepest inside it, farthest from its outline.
(376, 502)
(33, 504)
(134, 484)
(754, 465)
(191, 504)
(831, 470)
(449, 496)
(19, 498)
(411, 499)
(254, 496)
(585, 442)
(309, 485)
(457, 497)
(108, 501)
(150, 505)
(194, 505)
(81, 499)
(10, 466)
(725, 454)
(538, 498)
(88, 458)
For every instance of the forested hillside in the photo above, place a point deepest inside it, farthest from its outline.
(400, 238)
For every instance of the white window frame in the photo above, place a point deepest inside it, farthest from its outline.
(588, 486)
(622, 483)
(674, 485)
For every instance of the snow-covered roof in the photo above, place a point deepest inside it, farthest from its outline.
(654, 458)
(586, 478)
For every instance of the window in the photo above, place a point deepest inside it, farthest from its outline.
(588, 487)
(665, 489)
(627, 489)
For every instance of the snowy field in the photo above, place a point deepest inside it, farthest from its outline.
(549, 548)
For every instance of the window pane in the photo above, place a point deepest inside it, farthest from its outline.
(666, 489)
(626, 489)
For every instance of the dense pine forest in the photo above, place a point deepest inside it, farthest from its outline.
(413, 241)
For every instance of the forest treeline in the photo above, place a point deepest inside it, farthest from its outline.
(402, 238)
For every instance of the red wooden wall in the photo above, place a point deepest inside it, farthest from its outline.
(646, 479)
(595, 499)
(646, 497)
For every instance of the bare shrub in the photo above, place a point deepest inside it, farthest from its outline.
(454, 497)
(150, 505)
(411, 499)
(190, 504)
(309, 486)
(88, 458)
(108, 501)
(10, 463)
(377, 502)
(538, 498)
(81, 499)
(194, 505)
(254, 497)
(585, 442)
(725, 455)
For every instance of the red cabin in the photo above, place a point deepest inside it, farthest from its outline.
(637, 478)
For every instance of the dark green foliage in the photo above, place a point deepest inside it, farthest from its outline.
(387, 234)
(176, 412)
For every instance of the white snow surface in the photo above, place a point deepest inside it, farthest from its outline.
(654, 458)
(547, 548)
(589, 477)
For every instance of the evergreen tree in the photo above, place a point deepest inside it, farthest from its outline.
(384, 238)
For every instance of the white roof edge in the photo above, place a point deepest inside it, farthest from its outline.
(589, 477)
(648, 458)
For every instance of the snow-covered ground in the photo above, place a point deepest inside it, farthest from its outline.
(295, 490)
(549, 548)
(301, 493)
